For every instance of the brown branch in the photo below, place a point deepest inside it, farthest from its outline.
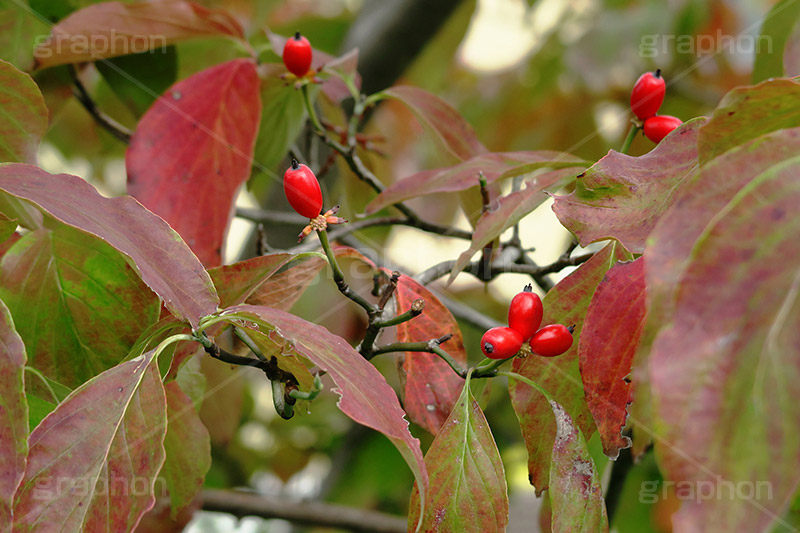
(241, 504)
(109, 124)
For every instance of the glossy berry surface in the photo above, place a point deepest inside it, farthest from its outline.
(302, 190)
(658, 127)
(551, 340)
(525, 313)
(297, 55)
(500, 343)
(648, 94)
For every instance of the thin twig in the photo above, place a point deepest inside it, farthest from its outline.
(341, 284)
(241, 504)
(431, 346)
(109, 124)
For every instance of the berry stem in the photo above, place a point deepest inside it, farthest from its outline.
(489, 370)
(341, 284)
(626, 145)
(312, 114)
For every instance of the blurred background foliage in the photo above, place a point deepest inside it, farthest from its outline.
(546, 74)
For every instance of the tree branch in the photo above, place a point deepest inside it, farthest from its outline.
(241, 504)
(109, 124)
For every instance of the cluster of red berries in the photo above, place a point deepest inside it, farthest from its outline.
(646, 99)
(524, 318)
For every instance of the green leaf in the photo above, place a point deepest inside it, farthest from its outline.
(163, 260)
(21, 32)
(37, 410)
(468, 490)
(724, 370)
(139, 79)
(559, 376)
(23, 115)
(187, 447)
(13, 413)
(621, 197)
(93, 461)
(749, 112)
(771, 42)
(80, 307)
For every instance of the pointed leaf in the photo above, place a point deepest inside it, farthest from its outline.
(452, 132)
(509, 210)
(725, 371)
(468, 484)
(559, 376)
(93, 461)
(749, 112)
(576, 496)
(431, 386)
(193, 149)
(187, 447)
(79, 305)
(164, 261)
(282, 290)
(671, 242)
(608, 343)
(237, 282)
(776, 29)
(364, 394)
(494, 166)
(112, 29)
(13, 413)
(23, 115)
(622, 197)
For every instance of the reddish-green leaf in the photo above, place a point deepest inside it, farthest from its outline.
(749, 112)
(13, 413)
(6, 245)
(576, 496)
(236, 282)
(560, 377)
(724, 371)
(673, 238)
(431, 386)
(452, 132)
(508, 211)
(364, 394)
(78, 304)
(23, 115)
(283, 289)
(608, 343)
(93, 461)
(164, 261)
(622, 197)
(187, 447)
(776, 30)
(193, 149)
(463, 176)
(467, 482)
(112, 29)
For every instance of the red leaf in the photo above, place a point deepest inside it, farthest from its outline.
(25, 116)
(111, 29)
(193, 149)
(608, 343)
(565, 304)
(494, 166)
(364, 394)
(13, 413)
(724, 368)
(467, 482)
(575, 492)
(452, 132)
(93, 460)
(187, 447)
(431, 386)
(622, 197)
(164, 261)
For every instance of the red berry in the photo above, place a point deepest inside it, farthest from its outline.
(648, 94)
(302, 190)
(525, 313)
(501, 343)
(297, 55)
(659, 126)
(551, 340)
